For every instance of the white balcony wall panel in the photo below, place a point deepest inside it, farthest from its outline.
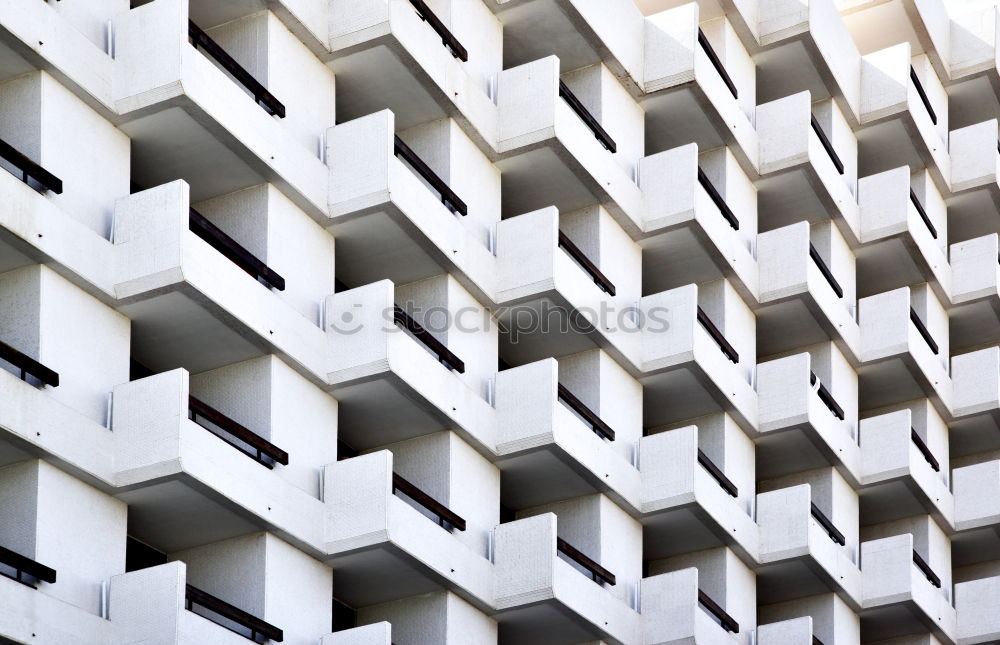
(439, 617)
(379, 633)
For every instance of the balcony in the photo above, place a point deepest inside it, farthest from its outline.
(676, 610)
(905, 354)
(809, 162)
(693, 93)
(976, 380)
(902, 593)
(244, 440)
(815, 620)
(445, 517)
(976, 515)
(974, 180)
(28, 366)
(973, 65)
(25, 570)
(684, 492)
(801, 421)
(802, 549)
(230, 614)
(694, 368)
(234, 252)
(904, 235)
(900, 475)
(975, 266)
(803, 300)
(31, 173)
(977, 620)
(433, 66)
(558, 594)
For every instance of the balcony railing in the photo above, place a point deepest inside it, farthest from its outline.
(246, 441)
(447, 38)
(448, 196)
(728, 622)
(233, 250)
(923, 95)
(826, 397)
(29, 169)
(827, 525)
(926, 570)
(923, 213)
(717, 336)
(924, 450)
(257, 627)
(444, 354)
(260, 94)
(816, 641)
(24, 566)
(587, 117)
(574, 252)
(716, 62)
(825, 270)
(28, 365)
(444, 514)
(597, 424)
(922, 330)
(717, 474)
(597, 573)
(717, 199)
(825, 140)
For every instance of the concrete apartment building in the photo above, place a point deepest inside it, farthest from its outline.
(530, 322)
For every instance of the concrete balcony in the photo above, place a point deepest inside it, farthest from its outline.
(975, 266)
(169, 467)
(902, 593)
(975, 174)
(977, 620)
(904, 233)
(802, 548)
(675, 611)
(395, 380)
(374, 634)
(806, 296)
(974, 67)
(976, 517)
(574, 601)
(904, 349)
(813, 620)
(904, 108)
(552, 153)
(423, 68)
(808, 163)
(690, 366)
(168, 259)
(686, 493)
(802, 422)
(976, 379)
(699, 85)
(223, 135)
(544, 429)
(396, 539)
(902, 472)
(440, 617)
(692, 232)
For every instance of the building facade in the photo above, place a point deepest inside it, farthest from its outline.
(479, 322)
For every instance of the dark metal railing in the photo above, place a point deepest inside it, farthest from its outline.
(717, 199)
(445, 355)
(574, 252)
(717, 474)
(717, 336)
(237, 254)
(825, 270)
(29, 169)
(716, 62)
(924, 450)
(825, 140)
(260, 94)
(597, 572)
(923, 95)
(448, 196)
(28, 365)
(923, 213)
(23, 565)
(816, 641)
(256, 447)
(922, 330)
(447, 38)
(597, 424)
(728, 622)
(257, 627)
(588, 118)
(445, 515)
(827, 525)
(926, 570)
(827, 398)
